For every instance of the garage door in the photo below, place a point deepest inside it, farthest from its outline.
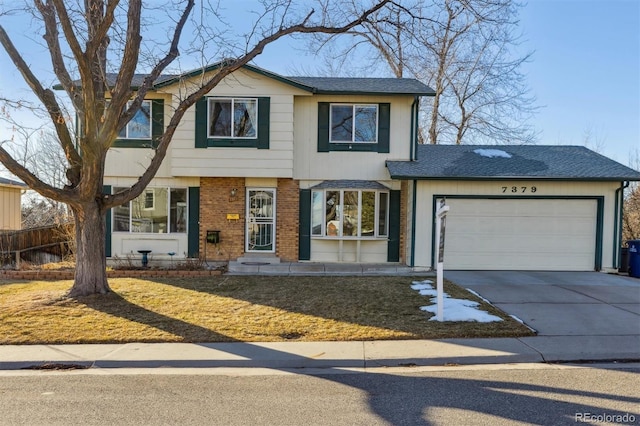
(521, 234)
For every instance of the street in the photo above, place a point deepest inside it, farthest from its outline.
(472, 395)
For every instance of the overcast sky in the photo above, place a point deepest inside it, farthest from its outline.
(585, 71)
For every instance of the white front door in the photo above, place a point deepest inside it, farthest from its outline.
(261, 220)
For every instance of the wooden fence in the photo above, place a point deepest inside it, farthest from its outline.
(36, 245)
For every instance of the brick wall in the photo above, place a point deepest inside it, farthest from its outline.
(216, 202)
(288, 219)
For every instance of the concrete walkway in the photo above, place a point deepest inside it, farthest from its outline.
(323, 269)
(591, 317)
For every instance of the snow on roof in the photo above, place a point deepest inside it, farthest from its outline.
(492, 153)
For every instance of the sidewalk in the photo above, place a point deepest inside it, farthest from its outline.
(297, 355)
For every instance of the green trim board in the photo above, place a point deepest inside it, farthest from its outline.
(393, 244)
(260, 142)
(304, 228)
(599, 216)
(106, 189)
(193, 225)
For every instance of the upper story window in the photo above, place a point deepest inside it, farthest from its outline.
(232, 122)
(354, 127)
(354, 123)
(233, 118)
(139, 127)
(145, 128)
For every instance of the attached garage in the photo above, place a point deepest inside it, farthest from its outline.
(515, 207)
(521, 234)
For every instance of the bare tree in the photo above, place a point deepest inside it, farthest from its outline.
(631, 205)
(463, 49)
(88, 38)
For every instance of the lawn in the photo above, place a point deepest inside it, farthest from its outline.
(234, 308)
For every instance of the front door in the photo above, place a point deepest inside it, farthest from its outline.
(260, 224)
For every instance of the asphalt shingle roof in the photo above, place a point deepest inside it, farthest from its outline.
(319, 85)
(5, 181)
(559, 162)
(348, 85)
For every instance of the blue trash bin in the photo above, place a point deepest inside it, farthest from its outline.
(634, 258)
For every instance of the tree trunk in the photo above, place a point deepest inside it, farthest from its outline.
(91, 262)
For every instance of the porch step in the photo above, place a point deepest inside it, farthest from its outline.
(258, 259)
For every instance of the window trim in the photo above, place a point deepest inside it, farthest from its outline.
(126, 126)
(377, 236)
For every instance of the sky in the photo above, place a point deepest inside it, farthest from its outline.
(584, 72)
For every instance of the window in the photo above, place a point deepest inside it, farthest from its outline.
(354, 123)
(139, 127)
(349, 213)
(233, 118)
(157, 210)
(232, 122)
(145, 128)
(354, 127)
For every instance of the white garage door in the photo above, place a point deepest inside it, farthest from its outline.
(511, 234)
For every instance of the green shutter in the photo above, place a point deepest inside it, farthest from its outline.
(193, 235)
(201, 123)
(393, 248)
(323, 126)
(157, 121)
(106, 189)
(384, 119)
(304, 232)
(264, 117)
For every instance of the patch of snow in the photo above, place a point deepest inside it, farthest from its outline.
(461, 310)
(453, 309)
(492, 153)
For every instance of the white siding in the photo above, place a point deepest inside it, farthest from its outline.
(277, 161)
(10, 215)
(311, 164)
(474, 189)
(324, 250)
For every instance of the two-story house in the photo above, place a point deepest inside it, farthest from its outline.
(269, 168)
(289, 168)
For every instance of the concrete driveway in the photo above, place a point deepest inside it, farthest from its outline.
(595, 310)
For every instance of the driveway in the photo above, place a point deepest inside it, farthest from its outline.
(592, 309)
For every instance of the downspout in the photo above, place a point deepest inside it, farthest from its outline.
(617, 223)
(412, 261)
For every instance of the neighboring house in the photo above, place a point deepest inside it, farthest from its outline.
(269, 168)
(10, 207)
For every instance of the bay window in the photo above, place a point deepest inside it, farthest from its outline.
(357, 213)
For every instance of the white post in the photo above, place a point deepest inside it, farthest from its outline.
(440, 215)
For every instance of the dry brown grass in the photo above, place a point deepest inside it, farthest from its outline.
(233, 308)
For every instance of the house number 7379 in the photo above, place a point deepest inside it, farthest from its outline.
(519, 189)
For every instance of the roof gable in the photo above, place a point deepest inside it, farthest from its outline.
(471, 162)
